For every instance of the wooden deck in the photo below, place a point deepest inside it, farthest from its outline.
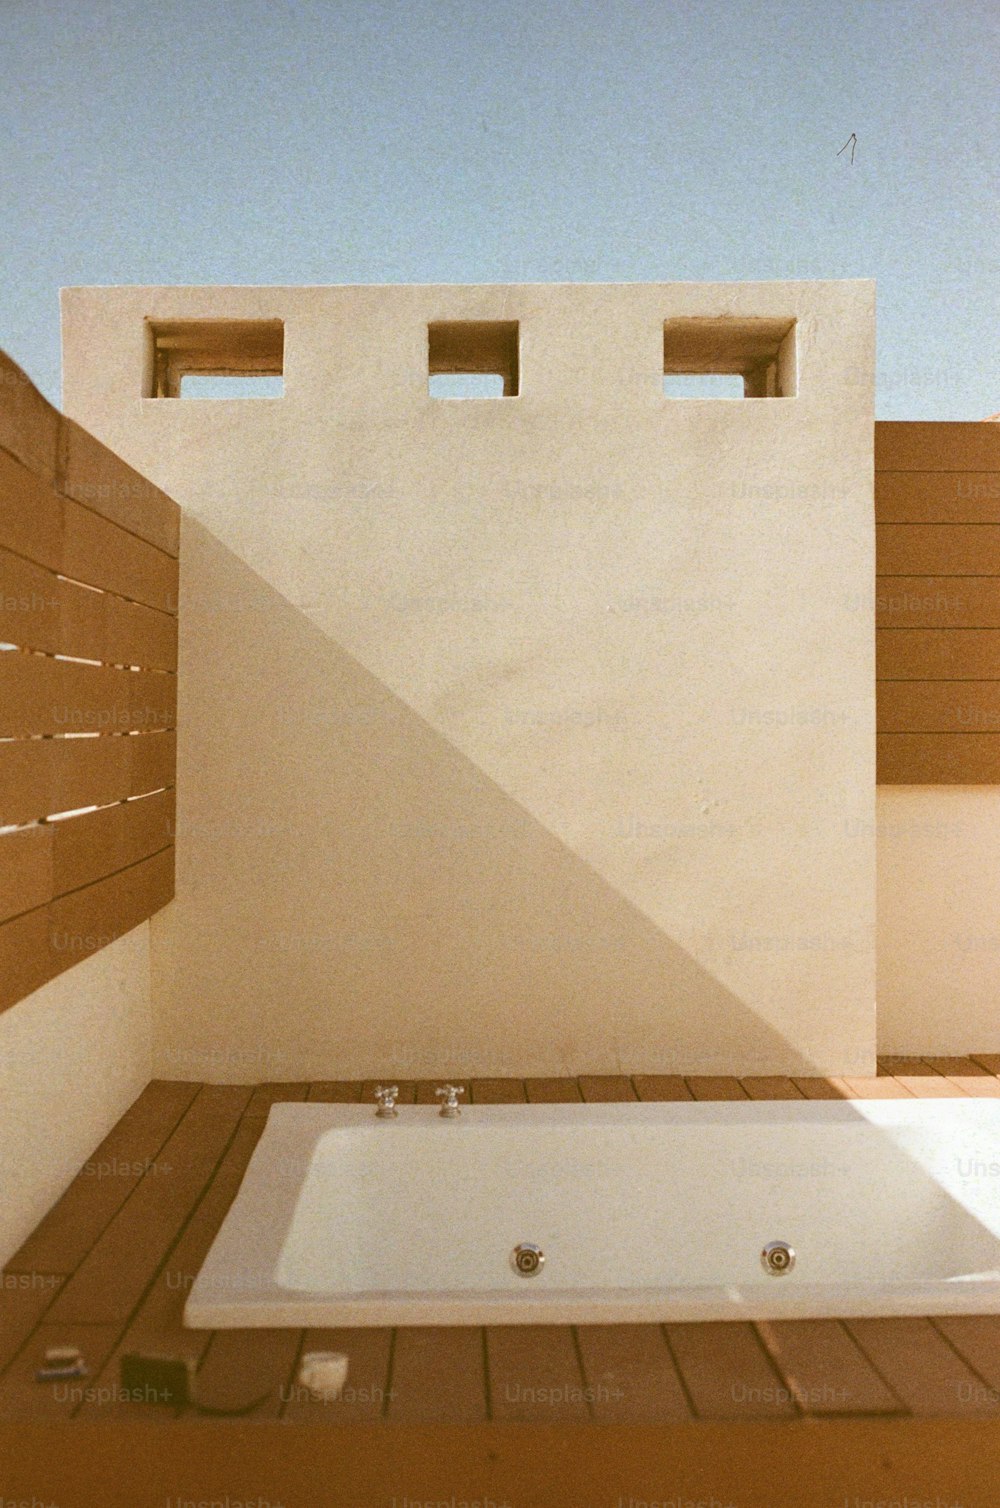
(110, 1266)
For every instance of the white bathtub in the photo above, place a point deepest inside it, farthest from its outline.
(644, 1212)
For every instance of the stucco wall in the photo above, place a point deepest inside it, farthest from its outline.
(521, 735)
(73, 1056)
(938, 926)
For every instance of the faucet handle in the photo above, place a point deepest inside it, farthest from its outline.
(448, 1095)
(386, 1099)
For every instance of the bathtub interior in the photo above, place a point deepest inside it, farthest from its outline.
(624, 1207)
(888, 1208)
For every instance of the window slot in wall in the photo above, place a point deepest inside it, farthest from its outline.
(758, 356)
(473, 359)
(216, 359)
(465, 385)
(703, 385)
(198, 385)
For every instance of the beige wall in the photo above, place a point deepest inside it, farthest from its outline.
(73, 1056)
(938, 925)
(525, 735)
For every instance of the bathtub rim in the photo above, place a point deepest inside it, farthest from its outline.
(284, 1152)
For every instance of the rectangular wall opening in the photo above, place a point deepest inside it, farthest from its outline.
(729, 357)
(473, 359)
(702, 385)
(465, 385)
(195, 385)
(216, 359)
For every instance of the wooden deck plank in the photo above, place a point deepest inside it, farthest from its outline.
(711, 1086)
(630, 1375)
(426, 1090)
(552, 1091)
(980, 1086)
(157, 1326)
(366, 1391)
(976, 1338)
(770, 1087)
(23, 1302)
(104, 1183)
(605, 1088)
(823, 1089)
(988, 1060)
(727, 1373)
(952, 1066)
(242, 1365)
(912, 1067)
(498, 1092)
(824, 1370)
(922, 1368)
(335, 1091)
(266, 1095)
(438, 1375)
(22, 1398)
(110, 1280)
(927, 1088)
(661, 1086)
(535, 1375)
(881, 1088)
(968, 1076)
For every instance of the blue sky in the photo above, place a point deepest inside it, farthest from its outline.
(294, 141)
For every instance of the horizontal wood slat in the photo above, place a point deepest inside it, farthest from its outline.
(937, 602)
(40, 863)
(88, 919)
(98, 553)
(939, 707)
(29, 426)
(30, 609)
(937, 549)
(92, 474)
(956, 654)
(40, 610)
(31, 514)
(65, 536)
(138, 635)
(937, 497)
(40, 776)
(43, 695)
(25, 870)
(908, 445)
(26, 959)
(38, 945)
(938, 759)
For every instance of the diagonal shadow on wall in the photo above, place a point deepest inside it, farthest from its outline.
(355, 896)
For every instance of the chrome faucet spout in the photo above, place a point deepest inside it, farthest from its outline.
(448, 1095)
(386, 1101)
